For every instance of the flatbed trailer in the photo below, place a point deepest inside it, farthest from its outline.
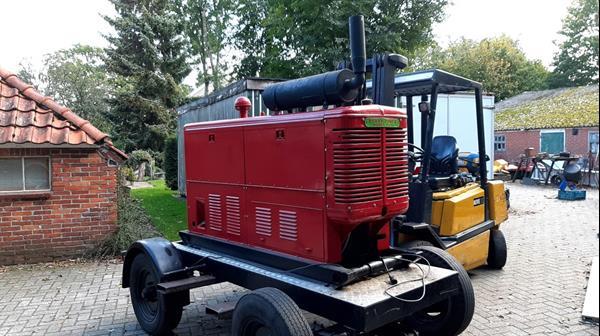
(361, 307)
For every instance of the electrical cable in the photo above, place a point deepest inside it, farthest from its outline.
(424, 275)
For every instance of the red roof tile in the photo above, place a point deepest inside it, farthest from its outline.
(26, 116)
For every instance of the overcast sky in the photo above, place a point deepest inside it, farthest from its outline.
(32, 28)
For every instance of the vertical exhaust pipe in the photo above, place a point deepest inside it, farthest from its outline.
(358, 52)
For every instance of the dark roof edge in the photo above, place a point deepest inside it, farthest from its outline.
(249, 83)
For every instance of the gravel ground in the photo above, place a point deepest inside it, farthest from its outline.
(539, 292)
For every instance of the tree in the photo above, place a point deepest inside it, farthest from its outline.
(207, 24)
(498, 63)
(297, 38)
(29, 75)
(147, 56)
(76, 78)
(576, 62)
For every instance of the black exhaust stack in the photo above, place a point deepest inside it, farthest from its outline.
(358, 51)
(330, 88)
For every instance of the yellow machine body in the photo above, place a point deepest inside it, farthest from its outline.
(459, 209)
(472, 253)
(497, 201)
(456, 210)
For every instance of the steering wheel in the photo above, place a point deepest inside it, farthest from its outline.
(416, 154)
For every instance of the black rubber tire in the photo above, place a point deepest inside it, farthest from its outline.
(497, 253)
(453, 314)
(415, 243)
(158, 314)
(268, 311)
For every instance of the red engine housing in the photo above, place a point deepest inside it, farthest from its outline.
(297, 183)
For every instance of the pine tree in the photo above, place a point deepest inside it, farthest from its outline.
(147, 56)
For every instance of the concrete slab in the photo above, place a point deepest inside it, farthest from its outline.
(590, 305)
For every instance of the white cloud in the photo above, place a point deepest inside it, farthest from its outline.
(32, 28)
(534, 23)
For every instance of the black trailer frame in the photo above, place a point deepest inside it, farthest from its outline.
(362, 306)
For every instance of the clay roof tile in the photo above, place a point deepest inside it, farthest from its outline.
(26, 116)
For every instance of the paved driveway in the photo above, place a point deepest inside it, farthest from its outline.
(540, 292)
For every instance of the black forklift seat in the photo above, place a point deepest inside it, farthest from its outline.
(444, 156)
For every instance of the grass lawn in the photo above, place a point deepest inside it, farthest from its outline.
(168, 213)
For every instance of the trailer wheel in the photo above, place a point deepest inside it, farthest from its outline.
(157, 314)
(451, 316)
(497, 253)
(268, 312)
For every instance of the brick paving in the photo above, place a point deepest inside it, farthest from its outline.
(539, 292)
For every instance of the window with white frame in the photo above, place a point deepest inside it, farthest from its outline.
(593, 142)
(499, 142)
(22, 174)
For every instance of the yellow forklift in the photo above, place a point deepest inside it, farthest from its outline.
(458, 210)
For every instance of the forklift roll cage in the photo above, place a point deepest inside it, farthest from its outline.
(432, 83)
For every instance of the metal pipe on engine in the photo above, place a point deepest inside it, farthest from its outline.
(330, 88)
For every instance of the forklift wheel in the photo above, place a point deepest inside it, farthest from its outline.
(157, 314)
(451, 316)
(497, 250)
(268, 312)
(413, 244)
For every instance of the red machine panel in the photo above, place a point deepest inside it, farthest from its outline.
(297, 183)
(207, 149)
(287, 221)
(288, 155)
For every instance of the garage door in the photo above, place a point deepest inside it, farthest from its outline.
(552, 142)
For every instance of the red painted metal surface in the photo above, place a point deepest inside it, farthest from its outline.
(296, 183)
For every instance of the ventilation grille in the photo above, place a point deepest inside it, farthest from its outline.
(232, 205)
(357, 166)
(263, 221)
(288, 225)
(214, 212)
(360, 175)
(396, 163)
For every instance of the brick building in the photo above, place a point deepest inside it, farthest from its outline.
(58, 178)
(551, 121)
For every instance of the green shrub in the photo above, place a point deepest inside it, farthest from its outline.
(137, 157)
(127, 173)
(170, 162)
(133, 224)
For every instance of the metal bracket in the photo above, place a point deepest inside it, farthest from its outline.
(185, 284)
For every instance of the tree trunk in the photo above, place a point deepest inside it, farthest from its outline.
(141, 172)
(205, 48)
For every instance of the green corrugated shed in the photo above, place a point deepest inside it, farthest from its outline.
(558, 108)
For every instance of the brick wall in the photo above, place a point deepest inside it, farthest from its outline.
(578, 144)
(79, 211)
(517, 141)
